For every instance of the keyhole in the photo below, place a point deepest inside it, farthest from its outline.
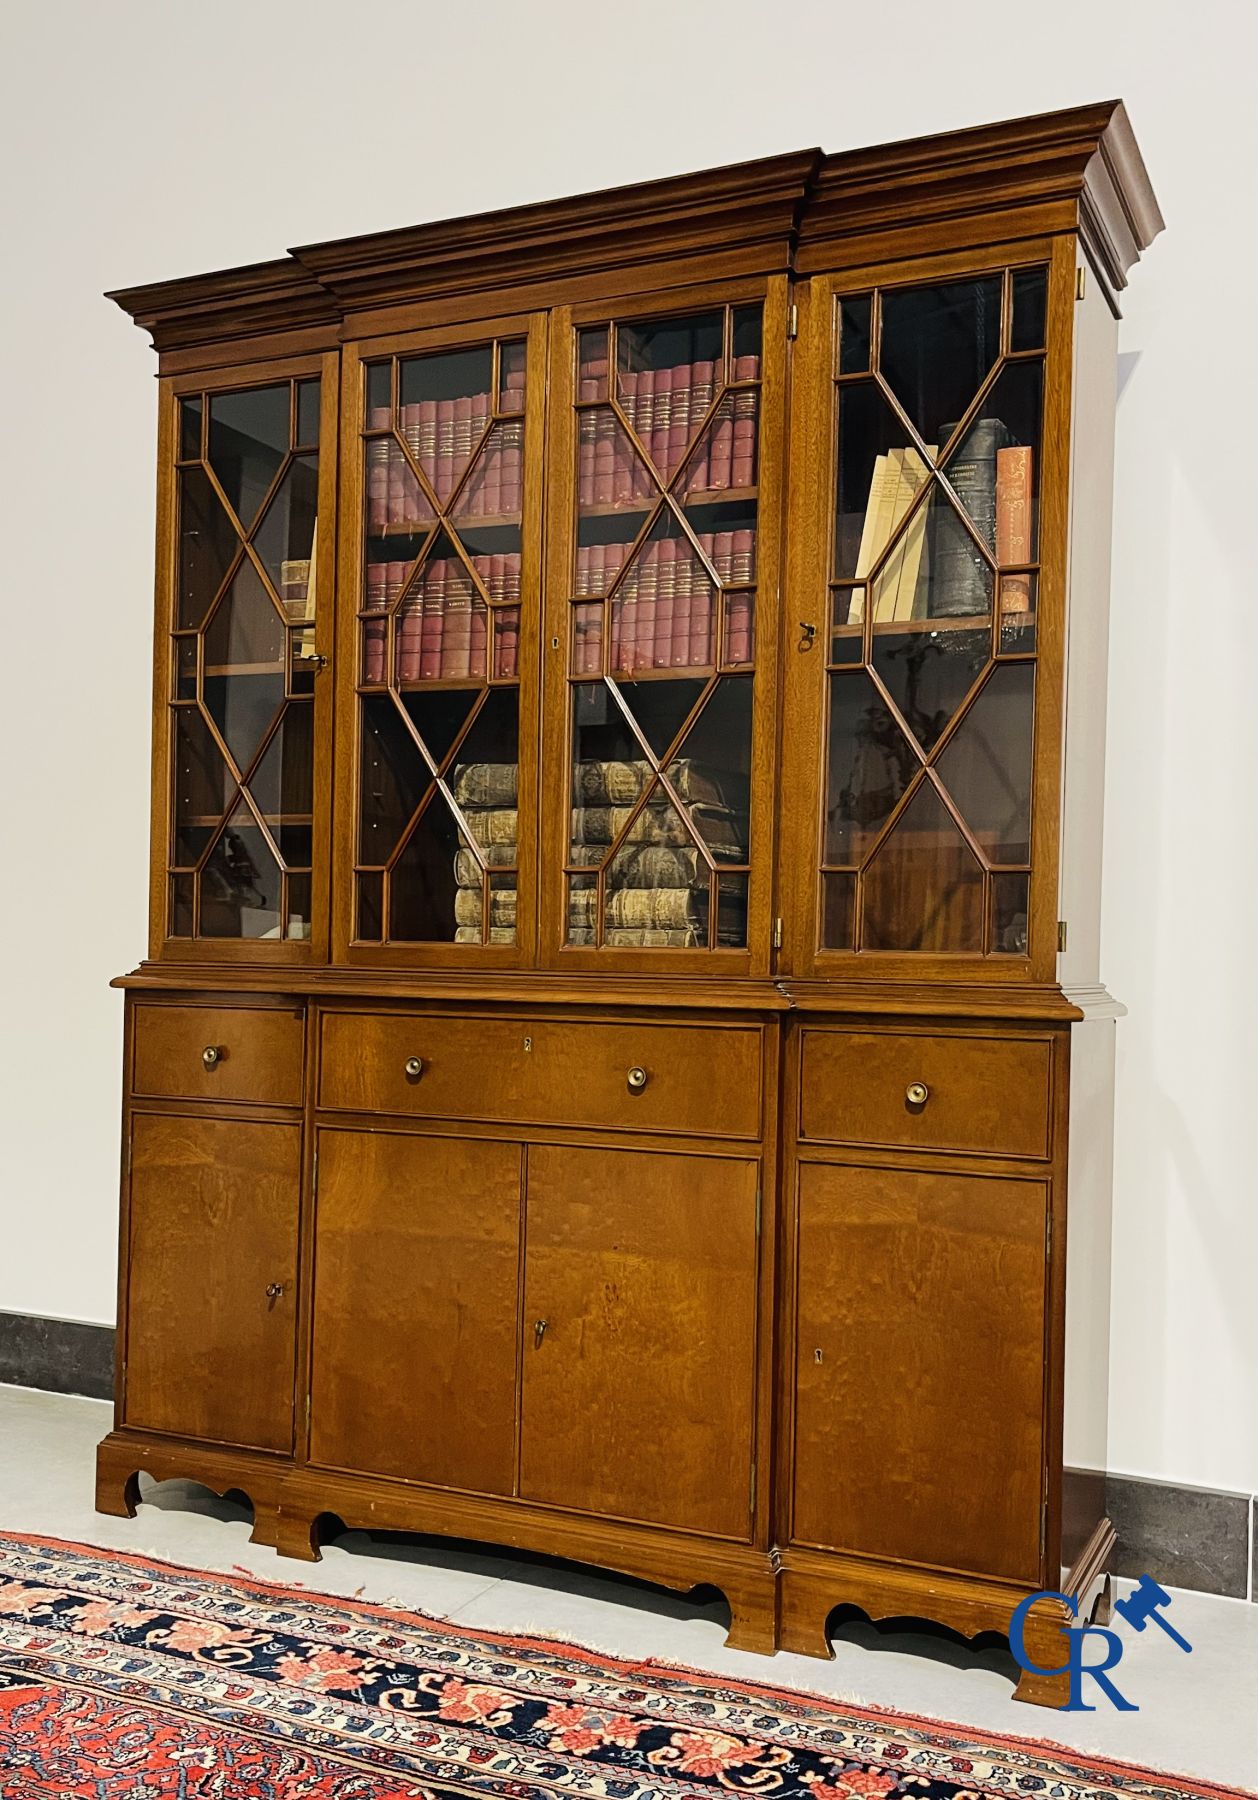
(817, 1356)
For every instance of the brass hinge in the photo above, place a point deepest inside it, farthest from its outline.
(753, 1489)
(1081, 281)
(307, 1412)
(777, 934)
(1061, 936)
(314, 1178)
(759, 1207)
(792, 320)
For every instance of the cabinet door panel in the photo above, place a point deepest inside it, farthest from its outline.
(639, 1393)
(214, 1206)
(920, 1367)
(415, 1308)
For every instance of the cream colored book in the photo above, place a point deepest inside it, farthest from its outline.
(899, 495)
(877, 527)
(913, 554)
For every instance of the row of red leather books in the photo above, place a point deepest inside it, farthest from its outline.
(443, 627)
(666, 408)
(663, 612)
(731, 553)
(441, 435)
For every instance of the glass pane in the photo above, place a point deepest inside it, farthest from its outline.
(393, 778)
(190, 428)
(369, 926)
(282, 785)
(1017, 614)
(506, 621)
(854, 334)
(731, 911)
(181, 905)
(847, 639)
(380, 390)
(495, 488)
(446, 402)
(893, 518)
(666, 351)
(938, 343)
(663, 610)
(837, 896)
(203, 785)
(587, 639)
(592, 364)
(610, 471)
(243, 677)
(308, 415)
(661, 709)
(923, 889)
(748, 331)
(297, 888)
(1010, 904)
(877, 478)
(397, 506)
(1030, 305)
(240, 883)
(929, 673)
(582, 901)
(712, 772)
(207, 543)
(512, 369)
(186, 668)
(442, 627)
(285, 540)
(871, 763)
(994, 470)
(249, 434)
(986, 764)
(934, 569)
(423, 895)
(740, 629)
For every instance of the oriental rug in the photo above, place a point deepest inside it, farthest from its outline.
(122, 1678)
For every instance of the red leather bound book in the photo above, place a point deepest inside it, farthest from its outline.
(479, 637)
(581, 574)
(410, 428)
(461, 439)
(744, 555)
(445, 449)
(746, 415)
(627, 389)
(721, 445)
(686, 575)
(456, 637)
(662, 419)
(679, 417)
(701, 624)
(409, 625)
(665, 598)
(645, 425)
(481, 412)
(506, 643)
(616, 660)
(374, 630)
(700, 403)
(377, 468)
(723, 555)
(604, 457)
(738, 628)
(1014, 471)
(512, 485)
(432, 649)
(428, 439)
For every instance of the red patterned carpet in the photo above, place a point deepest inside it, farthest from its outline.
(127, 1679)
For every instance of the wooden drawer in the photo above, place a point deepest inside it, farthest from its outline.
(258, 1053)
(984, 1094)
(701, 1079)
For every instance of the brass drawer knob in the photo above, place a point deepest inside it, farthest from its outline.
(636, 1079)
(414, 1067)
(917, 1093)
(210, 1056)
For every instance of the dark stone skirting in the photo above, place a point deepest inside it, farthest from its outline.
(57, 1354)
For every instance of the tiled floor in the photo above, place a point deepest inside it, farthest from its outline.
(1198, 1714)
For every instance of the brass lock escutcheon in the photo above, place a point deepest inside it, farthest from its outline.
(636, 1079)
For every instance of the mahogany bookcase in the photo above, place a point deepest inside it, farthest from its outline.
(621, 1066)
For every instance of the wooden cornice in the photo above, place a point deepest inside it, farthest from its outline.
(1075, 170)
(803, 212)
(737, 219)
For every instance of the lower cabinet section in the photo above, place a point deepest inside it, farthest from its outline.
(919, 1380)
(416, 1282)
(212, 1278)
(640, 1336)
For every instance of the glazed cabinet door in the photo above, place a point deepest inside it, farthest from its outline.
(244, 713)
(441, 485)
(211, 1279)
(919, 1367)
(640, 1336)
(665, 476)
(927, 577)
(416, 1285)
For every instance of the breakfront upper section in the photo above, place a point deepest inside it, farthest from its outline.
(703, 577)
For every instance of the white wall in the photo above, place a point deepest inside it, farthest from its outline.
(147, 140)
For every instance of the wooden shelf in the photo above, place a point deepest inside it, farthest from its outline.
(687, 672)
(268, 818)
(421, 527)
(608, 509)
(221, 671)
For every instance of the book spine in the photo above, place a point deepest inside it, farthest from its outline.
(512, 479)
(665, 600)
(434, 621)
(722, 446)
(642, 486)
(746, 417)
(686, 573)
(375, 630)
(662, 418)
(682, 398)
(738, 627)
(445, 449)
(428, 439)
(1014, 471)
(378, 469)
(961, 581)
(701, 625)
(700, 403)
(604, 457)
